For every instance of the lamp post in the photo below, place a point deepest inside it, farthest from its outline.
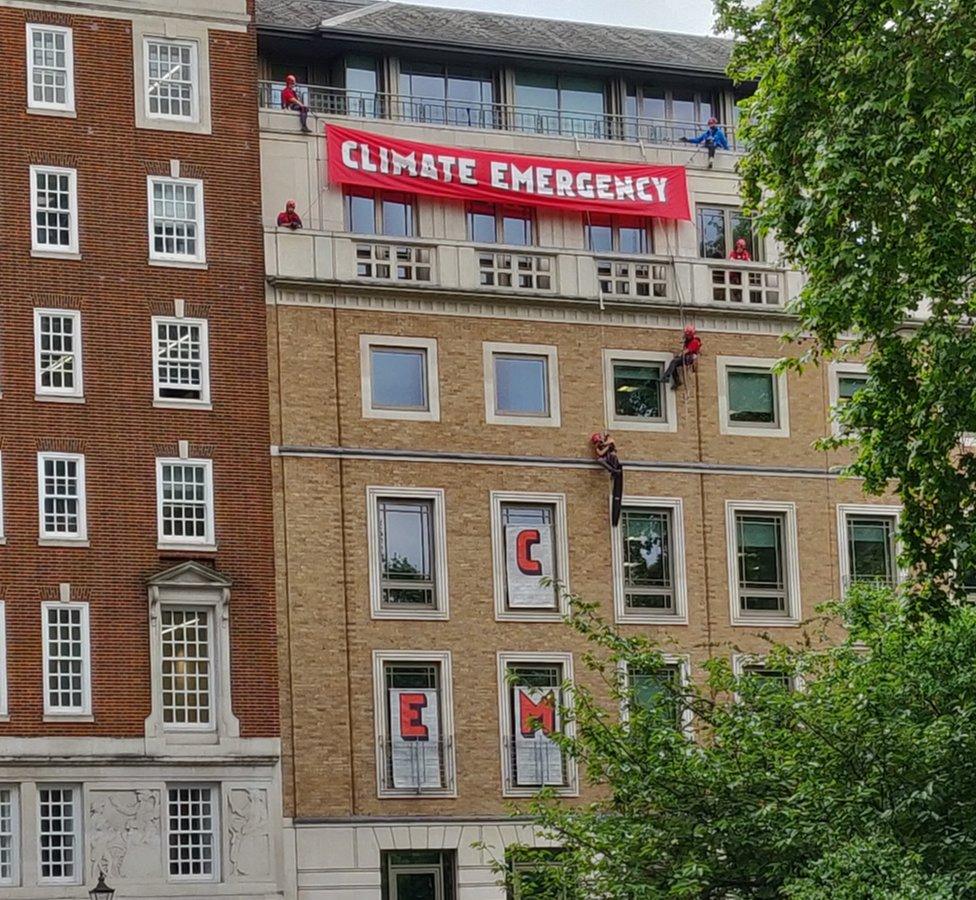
(102, 891)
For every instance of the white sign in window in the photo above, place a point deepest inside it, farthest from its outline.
(529, 559)
(50, 68)
(415, 739)
(538, 760)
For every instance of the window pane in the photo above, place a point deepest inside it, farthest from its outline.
(711, 233)
(185, 666)
(398, 378)
(638, 391)
(751, 396)
(190, 820)
(362, 214)
(646, 535)
(397, 217)
(632, 239)
(481, 224)
(66, 649)
(848, 385)
(406, 551)
(599, 235)
(185, 504)
(516, 228)
(521, 385)
(6, 834)
(759, 539)
(652, 690)
(362, 84)
(57, 838)
(536, 89)
(870, 543)
(170, 84)
(742, 228)
(179, 360)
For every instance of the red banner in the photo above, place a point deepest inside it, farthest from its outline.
(378, 161)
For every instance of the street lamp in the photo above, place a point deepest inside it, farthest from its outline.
(102, 891)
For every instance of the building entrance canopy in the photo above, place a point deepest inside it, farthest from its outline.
(374, 160)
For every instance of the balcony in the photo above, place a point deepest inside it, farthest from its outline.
(332, 101)
(418, 768)
(460, 267)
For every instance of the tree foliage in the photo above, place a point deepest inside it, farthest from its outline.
(861, 163)
(861, 785)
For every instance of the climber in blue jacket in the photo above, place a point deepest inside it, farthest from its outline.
(712, 137)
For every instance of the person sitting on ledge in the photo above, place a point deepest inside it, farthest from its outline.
(289, 218)
(712, 137)
(291, 100)
(740, 251)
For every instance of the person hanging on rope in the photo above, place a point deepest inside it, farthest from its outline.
(712, 137)
(606, 455)
(289, 218)
(691, 347)
(291, 100)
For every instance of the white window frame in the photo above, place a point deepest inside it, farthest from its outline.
(743, 661)
(53, 538)
(61, 713)
(76, 392)
(78, 833)
(176, 402)
(506, 659)
(199, 259)
(498, 561)
(375, 493)
(835, 371)
(492, 417)
(367, 342)
(43, 250)
(16, 833)
(889, 511)
(791, 557)
(209, 540)
(670, 422)
(381, 721)
(68, 107)
(780, 428)
(4, 692)
(683, 663)
(210, 726)
(194, 116)
(678, 567)
(215, 805)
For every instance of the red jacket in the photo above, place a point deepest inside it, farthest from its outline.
(290, 96)
(693, 344)
(288, 219)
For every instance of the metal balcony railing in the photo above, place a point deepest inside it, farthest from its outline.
(738, 283)
(416, 768)
(634, 278)
(334, 101)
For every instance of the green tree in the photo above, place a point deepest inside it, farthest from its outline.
(861, 785)
(860, 130)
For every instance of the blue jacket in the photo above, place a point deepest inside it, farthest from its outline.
(712, 133)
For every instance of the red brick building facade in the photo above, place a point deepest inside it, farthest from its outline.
(139, 693)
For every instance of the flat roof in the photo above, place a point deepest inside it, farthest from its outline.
(495, 33)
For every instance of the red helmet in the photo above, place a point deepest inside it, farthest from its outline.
(289, 204)
(689, 329)
(596, 438)
(713, 121)
(290, 79)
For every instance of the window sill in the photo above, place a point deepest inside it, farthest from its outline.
(63, 542)
(631, 425)
(162, 403)
(54, 113)
(186, 548)
(529, 615)
(511, 791)
(530, 421)
(753, 431)
(404, 415)
(55, 254)
(178, 263)
(190, 736)
(59, 398)
(428, 614)
(423, 794)
(766, 622)
(68, 717)
(650, 619)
